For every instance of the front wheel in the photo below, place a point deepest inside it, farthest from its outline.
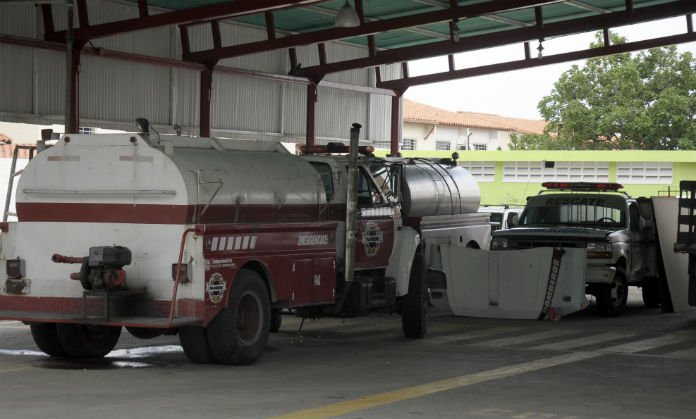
(276, 320)
(87, 341)
(414, 309)
(611, 298)
(194, 342)
(239, 333)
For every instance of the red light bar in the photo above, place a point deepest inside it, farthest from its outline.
(336, 148)
(583, 186)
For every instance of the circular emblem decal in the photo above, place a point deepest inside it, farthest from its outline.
(372, 239)
(215, 287)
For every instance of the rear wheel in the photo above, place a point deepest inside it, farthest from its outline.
(46, 338)
(195, 344)
(239, 333)
(87, 341)
(414, 310)
(144, 332)
(611, 298)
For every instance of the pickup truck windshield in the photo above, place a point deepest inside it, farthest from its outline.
(583, 210)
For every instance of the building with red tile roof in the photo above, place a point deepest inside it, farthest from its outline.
(430, 128)
(7, 147)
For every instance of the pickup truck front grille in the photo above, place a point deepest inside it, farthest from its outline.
(530, 244)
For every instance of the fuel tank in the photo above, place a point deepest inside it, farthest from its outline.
(438, 189)
(173, 180)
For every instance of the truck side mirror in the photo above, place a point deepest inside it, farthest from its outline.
(513, 219)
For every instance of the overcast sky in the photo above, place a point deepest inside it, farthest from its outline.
(517, 93)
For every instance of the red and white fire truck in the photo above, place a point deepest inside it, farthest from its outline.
(211, 238)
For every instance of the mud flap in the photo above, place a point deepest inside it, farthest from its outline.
(406, 242)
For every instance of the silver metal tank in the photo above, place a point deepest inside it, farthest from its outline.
(437, 189)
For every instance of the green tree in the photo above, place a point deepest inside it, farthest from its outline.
(645, 101)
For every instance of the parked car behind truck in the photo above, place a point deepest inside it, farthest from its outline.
(617, 231)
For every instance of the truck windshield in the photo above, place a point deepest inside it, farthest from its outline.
(575, 210)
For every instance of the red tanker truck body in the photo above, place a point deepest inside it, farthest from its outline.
(207, 238)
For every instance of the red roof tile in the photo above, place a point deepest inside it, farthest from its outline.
(7, 150)
(421, 113)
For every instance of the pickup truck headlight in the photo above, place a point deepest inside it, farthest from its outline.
(499, 243)
(598, 250)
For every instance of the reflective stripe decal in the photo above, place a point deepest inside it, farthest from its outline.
(227, 243)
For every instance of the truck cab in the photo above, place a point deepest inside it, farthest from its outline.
(616, 230)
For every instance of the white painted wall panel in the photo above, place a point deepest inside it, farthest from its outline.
(245, 104)
(337, 110)
(16, 84)
(123, 91)
(185, 97)
(295, 110)
(379, 112)
(18, 20)
(49, 69)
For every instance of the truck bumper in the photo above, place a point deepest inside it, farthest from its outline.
(599, 274)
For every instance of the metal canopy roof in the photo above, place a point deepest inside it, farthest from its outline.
(394, 30)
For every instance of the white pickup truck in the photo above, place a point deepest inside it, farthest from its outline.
(617, 231)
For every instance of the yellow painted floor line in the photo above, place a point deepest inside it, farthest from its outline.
(15, 369)
(408, 393)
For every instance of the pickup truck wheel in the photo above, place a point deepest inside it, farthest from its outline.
(195, 344)
(414, 310)
(651, 293)
(46, 339)
(611, 298)
(87, 341)
(239, 333)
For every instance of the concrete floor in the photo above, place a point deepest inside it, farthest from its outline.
(640, 365)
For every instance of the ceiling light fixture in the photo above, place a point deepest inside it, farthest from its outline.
(346, 17)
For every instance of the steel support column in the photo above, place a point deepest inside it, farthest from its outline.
(205, 100)
(395, 123)
(312, 98)
(72, 120)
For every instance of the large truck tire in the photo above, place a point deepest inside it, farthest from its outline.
(651, 292)
(414, 310)
(195, 344)
(239, 333)
(144, 332)
(611, 298)
(46, 339)
(87, 341)
(276, 320)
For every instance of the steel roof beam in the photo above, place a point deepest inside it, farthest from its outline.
(172, 63)
(218, 11)
(402, 85)
(512, 36)
(368, 28)
(585, 6)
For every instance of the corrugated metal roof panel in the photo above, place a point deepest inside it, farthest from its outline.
(16, 82)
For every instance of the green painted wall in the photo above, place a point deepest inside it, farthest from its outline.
(498, 193)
